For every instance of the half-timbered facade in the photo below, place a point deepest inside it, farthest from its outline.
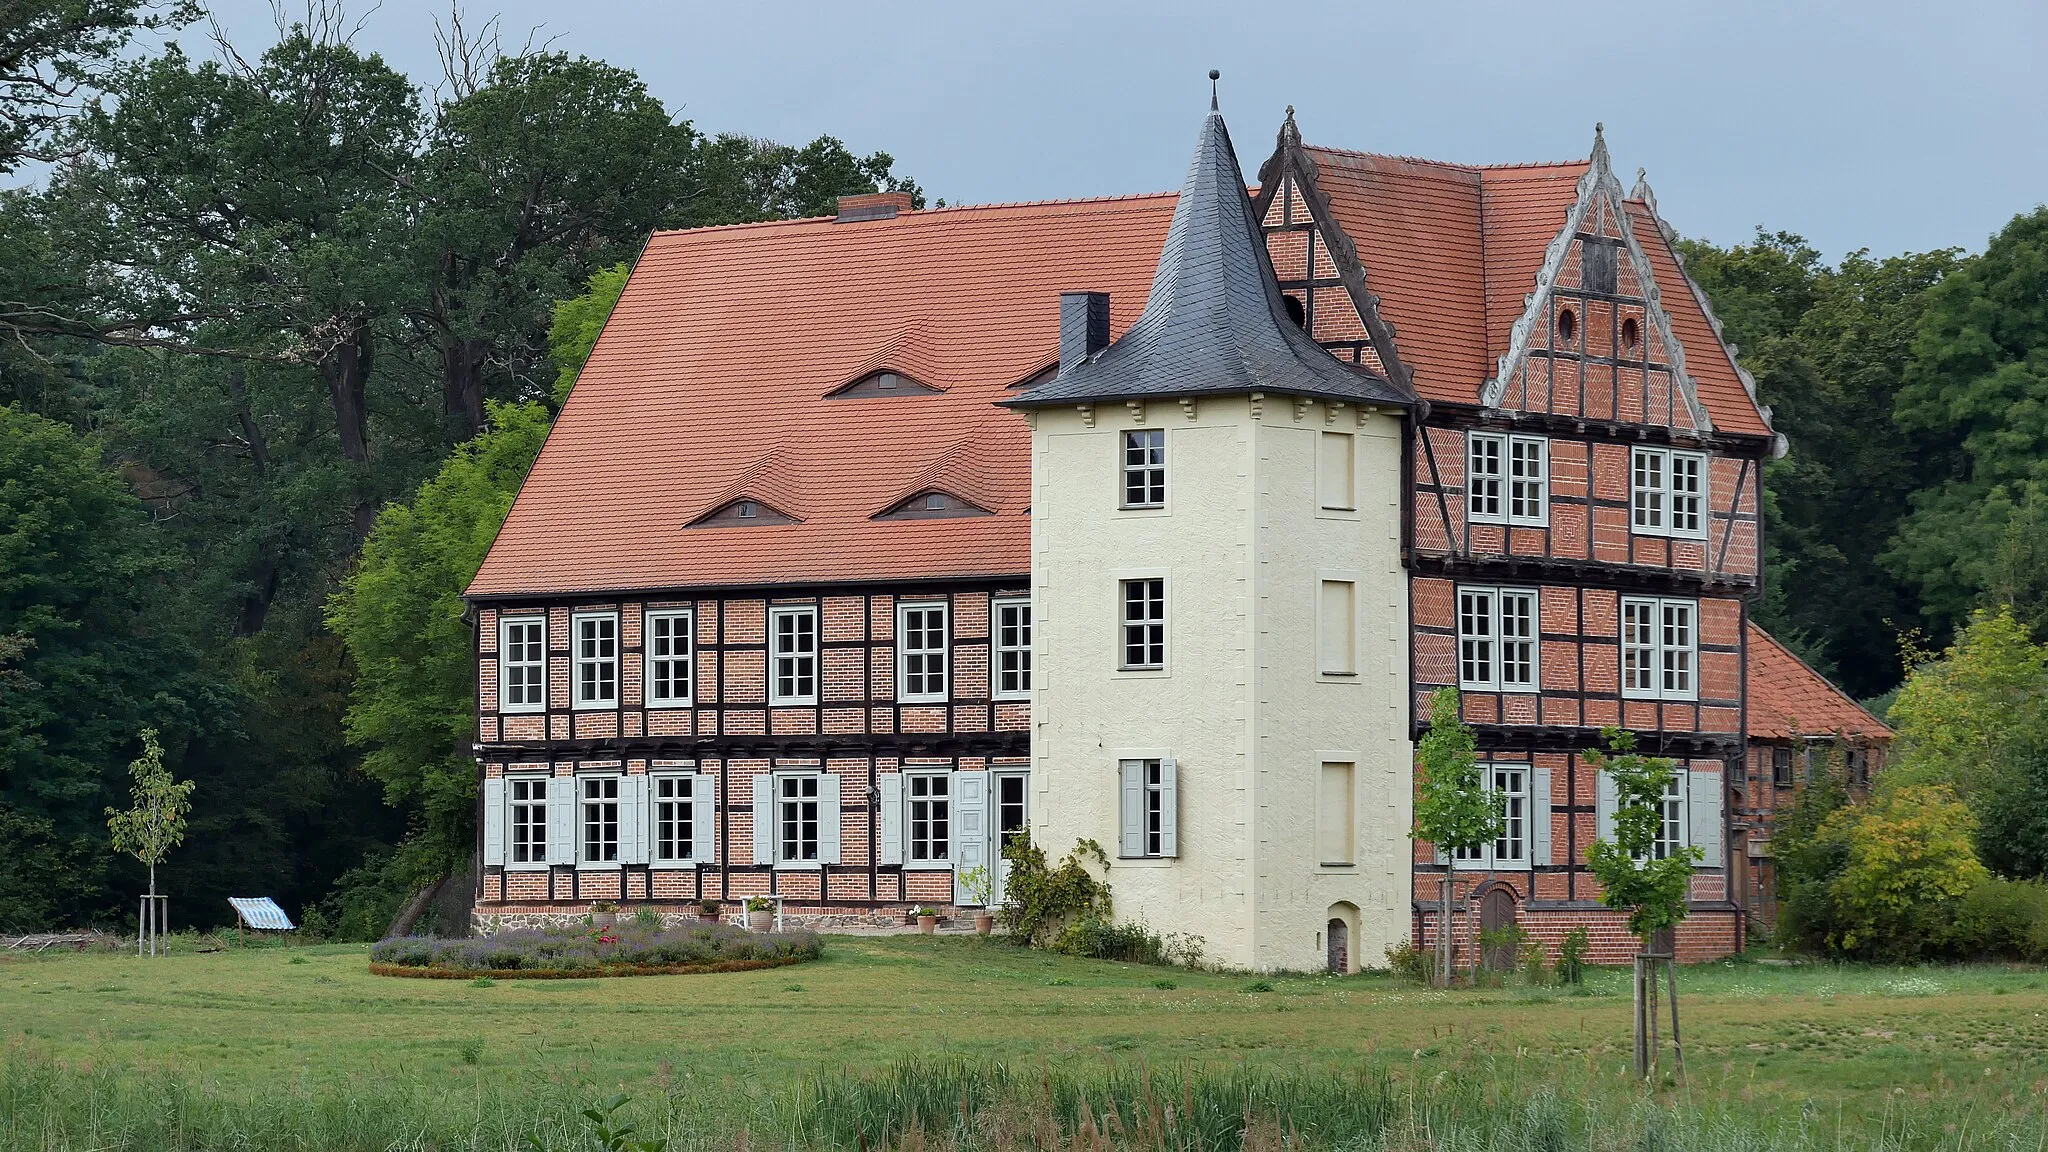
(774, 570)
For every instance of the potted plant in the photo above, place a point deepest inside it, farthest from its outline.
(760, 913)
(604, 913)
(710, 911)
(980, 888)
(927, 920)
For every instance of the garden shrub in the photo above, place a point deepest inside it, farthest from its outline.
(1411, 961)
(1043, 900)
(1910, 862)
(2007, 919)
(1571, 956)
(594, 949)
(1133, 943)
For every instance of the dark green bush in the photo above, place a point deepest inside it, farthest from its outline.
(2005, 919)
(580, 949)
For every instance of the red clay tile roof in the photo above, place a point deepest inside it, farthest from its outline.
(708, 385)
(1452, 250)
(710, 380)
(1787, 697)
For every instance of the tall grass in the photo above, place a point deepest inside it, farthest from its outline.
(945, 1105)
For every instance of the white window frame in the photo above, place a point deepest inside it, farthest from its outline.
(1657, 498)
(1126, 623)
(682, 624)
(1510, 851)
(1491, 493)
(938, 790)
(1145, 474)
(578, 661)
(684, 784)
(535, 785)
(508, 666)
(1010, 657)
(776, 655)
(584, 802)
(1492, 645)
(906, 656)
(1674, 813)
(1664, 662)
(783, 857)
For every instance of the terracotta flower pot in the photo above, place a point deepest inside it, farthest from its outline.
(760, 921)
(984, 923)
(927, 924)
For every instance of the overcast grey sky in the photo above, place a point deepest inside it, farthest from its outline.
(1884, 124)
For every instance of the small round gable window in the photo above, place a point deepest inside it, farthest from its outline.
(1631, 335)
(1567, 326)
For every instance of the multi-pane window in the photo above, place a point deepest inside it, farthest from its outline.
(1012, 815)
(930, 799)
(796, 819)
(522, 663)
(1507, 479)
(1144, 623)
(670, 659)
(793, 634)
(1667, 492)
(1145, 468)
(1497, 639)
(1013, 649)
(1155, 808)
(1659, 649)
(674, 819)
(1508, 784)
(1781, 767)
(1671, 838)
(597, 659)
(921, 652)
(600, 819)
(529, 819)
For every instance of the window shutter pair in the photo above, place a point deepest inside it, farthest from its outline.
(494, 820)
(765, 819)
(970, 820)
(1131, 838)
(891, 787)
(562, 820)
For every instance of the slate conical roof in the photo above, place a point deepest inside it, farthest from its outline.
(1215, 321)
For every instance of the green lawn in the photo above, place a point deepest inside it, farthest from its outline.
(1851, 1043)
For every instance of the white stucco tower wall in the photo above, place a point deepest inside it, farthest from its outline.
(1252, 703)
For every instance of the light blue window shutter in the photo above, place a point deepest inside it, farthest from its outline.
(1169, 807)
(704, 819)
(633, 816)
(828, 818)
(1603, 807)
(1539, 817)
(1132, 836)
(891, 787)
(764, 819)
(1704, 810)
(561, 820)
(494, 820)
(970, 820)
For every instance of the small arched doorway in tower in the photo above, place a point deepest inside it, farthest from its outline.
(1340, 932)
(1496, 915)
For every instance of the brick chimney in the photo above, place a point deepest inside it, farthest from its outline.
(873, 206)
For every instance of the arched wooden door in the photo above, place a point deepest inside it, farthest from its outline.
(1338, 934)
(1496, 914)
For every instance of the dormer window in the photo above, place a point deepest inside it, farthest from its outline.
(742, 513)
(883, 383)
(932, 504)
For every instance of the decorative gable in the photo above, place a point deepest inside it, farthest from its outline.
(1594, 341)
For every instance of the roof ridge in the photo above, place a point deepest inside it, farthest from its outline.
(1456, 164)
(915, 213)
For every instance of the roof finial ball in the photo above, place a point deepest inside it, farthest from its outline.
(1214, 76)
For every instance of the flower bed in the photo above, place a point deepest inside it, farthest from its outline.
(625, 950)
